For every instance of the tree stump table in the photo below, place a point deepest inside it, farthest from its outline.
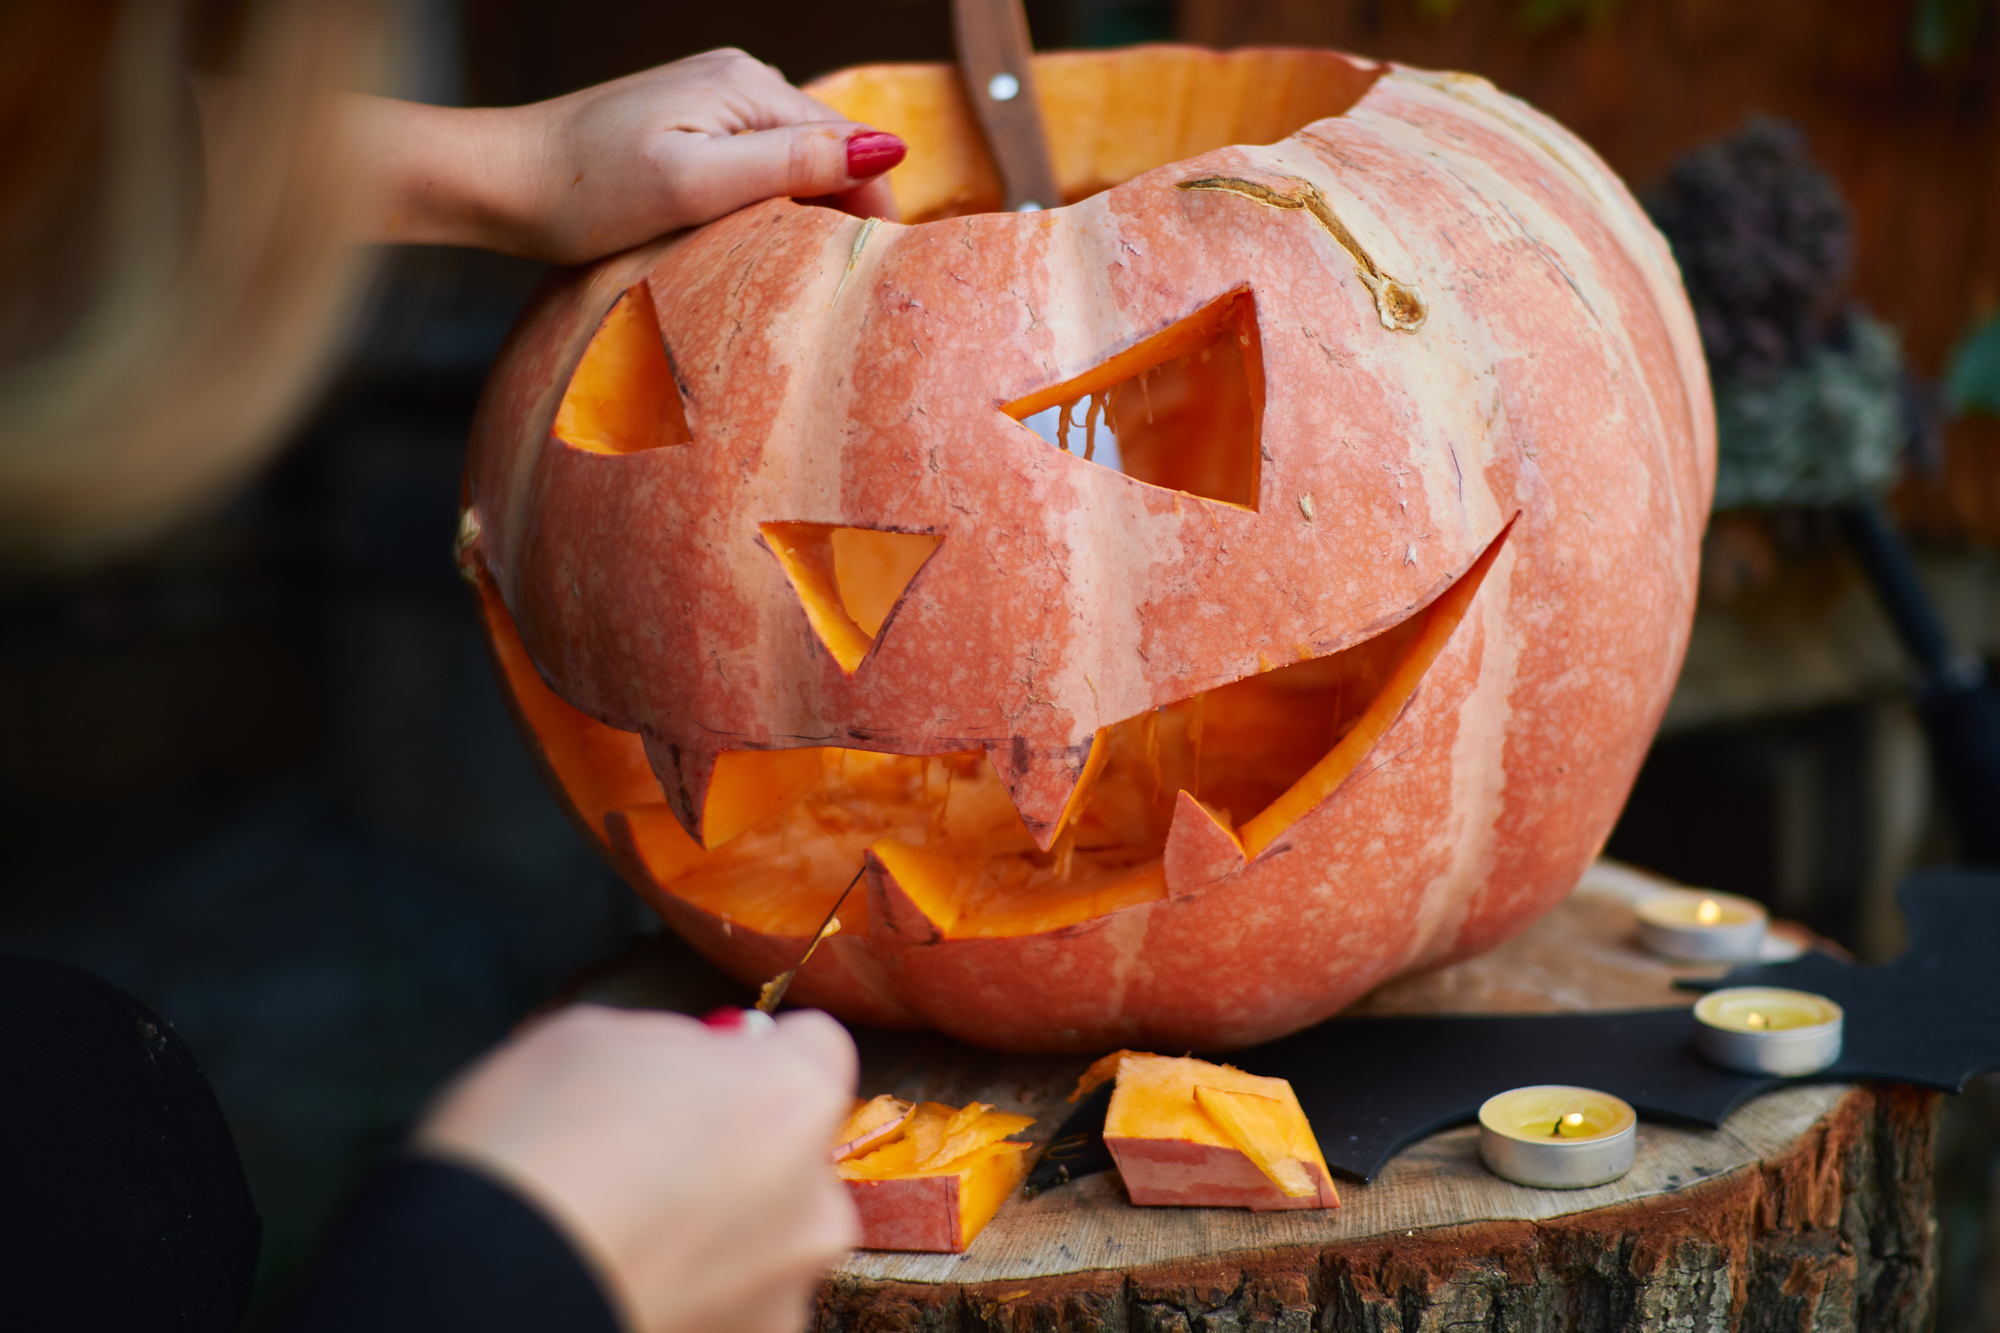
(1809, 1211)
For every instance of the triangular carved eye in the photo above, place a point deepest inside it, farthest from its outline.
(850, 580)
(1182, 409)
(623, 398)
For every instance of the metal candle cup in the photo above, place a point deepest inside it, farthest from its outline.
(1702, 927)
(1763, 1030)
(1555, 1137)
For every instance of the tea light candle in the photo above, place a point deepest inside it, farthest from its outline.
(1702, 927)
(1557, 1138)
(1761, 1030)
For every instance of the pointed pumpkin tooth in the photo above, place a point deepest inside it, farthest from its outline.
(910, 892)
(685, 766)
(1200, 850)
(1041, 777)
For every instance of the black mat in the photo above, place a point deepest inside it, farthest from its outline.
(1370, 1086)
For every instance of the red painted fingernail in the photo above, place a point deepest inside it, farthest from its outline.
(738, 1020)
(872, 152)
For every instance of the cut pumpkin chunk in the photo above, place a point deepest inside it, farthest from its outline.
(935, 1176)
(938, 1211)
(1190, 1133)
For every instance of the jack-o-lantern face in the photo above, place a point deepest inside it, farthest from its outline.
(1192, 606)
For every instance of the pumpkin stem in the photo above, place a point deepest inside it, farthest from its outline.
(1400, 305)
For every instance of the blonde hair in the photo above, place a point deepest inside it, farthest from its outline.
(166, 304)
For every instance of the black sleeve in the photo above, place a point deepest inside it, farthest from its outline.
(427, 1245)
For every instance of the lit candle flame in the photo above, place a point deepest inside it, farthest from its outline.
(1574, 1120)
(1756, 1021)
(1709, 912)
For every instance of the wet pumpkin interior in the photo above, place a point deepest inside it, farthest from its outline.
(785, 830)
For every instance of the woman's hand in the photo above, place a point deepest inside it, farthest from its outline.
(597, 171)
(691, 1164)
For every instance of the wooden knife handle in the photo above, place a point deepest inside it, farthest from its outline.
(997, 63)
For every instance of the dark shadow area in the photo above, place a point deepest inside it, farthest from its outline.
(1774, 809)
(522, 50)
(261, 776)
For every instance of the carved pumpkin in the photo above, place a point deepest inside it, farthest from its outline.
(1193, 606)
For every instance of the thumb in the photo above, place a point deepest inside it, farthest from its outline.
(720, 174)
(821, 1041)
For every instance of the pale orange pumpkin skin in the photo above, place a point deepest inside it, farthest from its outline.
(1555, 383)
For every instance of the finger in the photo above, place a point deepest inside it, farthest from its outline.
(759, 96)
(717, 175)
(584, 1027)
(823, 1042)
(823, 1237)
(873, 200)
(836, 1225)
(784, 1307)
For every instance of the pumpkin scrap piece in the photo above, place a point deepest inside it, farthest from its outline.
(934, 1176)
(1103, 1070)
(873, 1123)
(1187, 1132)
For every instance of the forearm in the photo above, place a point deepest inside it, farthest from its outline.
(595, 171)
(445, 175)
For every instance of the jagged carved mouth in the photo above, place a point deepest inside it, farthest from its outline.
(785, 830)
(779, 833)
